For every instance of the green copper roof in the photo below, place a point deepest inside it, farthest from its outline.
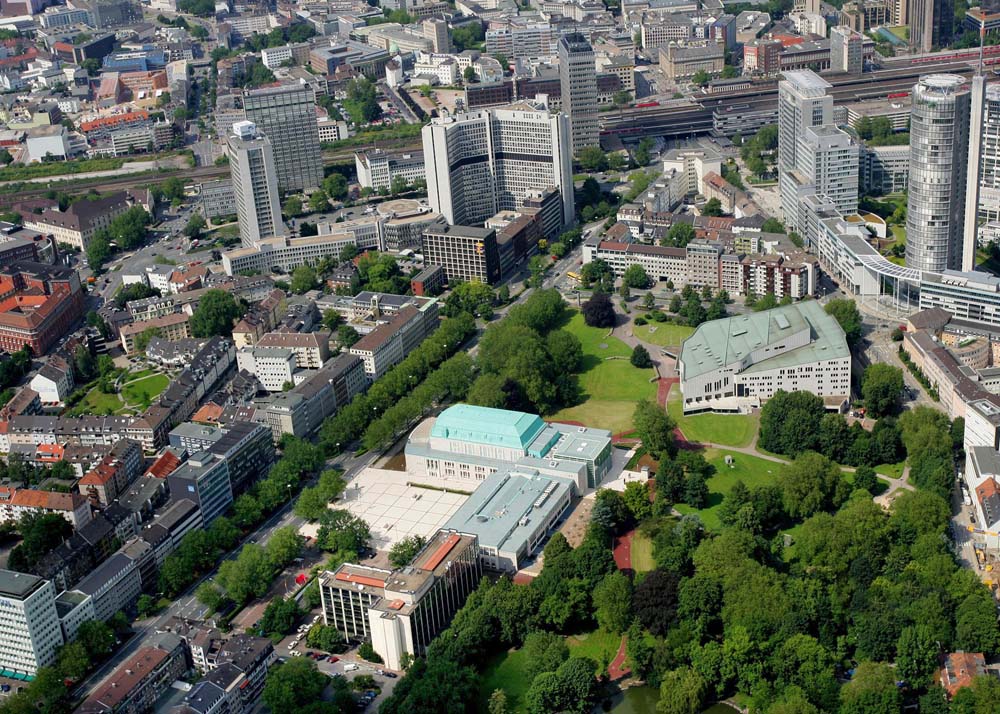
(464, 422)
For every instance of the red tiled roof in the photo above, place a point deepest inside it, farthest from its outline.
(165, 465)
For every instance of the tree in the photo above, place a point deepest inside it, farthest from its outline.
(284, 546)
(679, 235)
(701, 78)
(209, 595)
(613, 602)
(279, 616)
(404, 551)
(347, 336)
(498, 703)
(293, 686)
(335, 186)
(635, 277)
(96, 637)
(195, 225)
(73, 661)
(683, 691)
(544, 652)
(248, 576)
(917, 654)
(592, 159)
(367, 652)
(790, 422)
(303, 279)
(292, 207)
(872, 690)
(215, 314)
(773, 225)
(845, 312)
(146, 605)
(643, 152)
(640, 357)
(810, 484)
(881, 388)
(469, 75)
(598, 311)
(655, 601)
(655, 428)
(318, 201)
(712, 207)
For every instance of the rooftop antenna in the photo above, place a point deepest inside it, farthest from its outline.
(982, 41)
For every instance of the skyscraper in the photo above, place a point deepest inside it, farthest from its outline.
(578, 88)
(488, 160)
(931, 23)
(255, 184)
(982, 200)
(286, 114)
(29, 623)
(939, 146)
(815, 157)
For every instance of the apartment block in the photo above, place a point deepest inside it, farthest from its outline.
(29, 623)
(389, 343)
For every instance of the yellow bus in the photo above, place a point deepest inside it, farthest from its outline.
(573, 276)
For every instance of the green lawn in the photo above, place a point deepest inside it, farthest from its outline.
(662, 334)
(97, 402)
(610, 388)
(599, 645)
(145, 389)
(891, 470)
(725, 429)
(642, 553)
(505, 672)
(751, 470)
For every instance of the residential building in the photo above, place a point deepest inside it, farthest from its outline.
(484, 161)
(578, 90)
(274, 367)
(113, 474)
(53, 383)
(193, 437)
(738, 363)
(464, 252)
(135, 686)
(17, 502)
(248, 450)
(389, 343)
(286, 115)
(29, 623)
(939, 146)
(961, 669)
(204, 479)
(255, 184)
(77, 225)
(311, 349)
(401, 611)
(468, 443)
(175, 326)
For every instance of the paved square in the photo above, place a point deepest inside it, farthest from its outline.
(394, 509)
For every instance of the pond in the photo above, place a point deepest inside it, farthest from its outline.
(642, 700)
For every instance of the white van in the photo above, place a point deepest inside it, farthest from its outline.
(351, 667)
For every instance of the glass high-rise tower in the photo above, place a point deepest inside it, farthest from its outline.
(286, 114)
(255, 185)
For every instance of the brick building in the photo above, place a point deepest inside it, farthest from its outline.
(38, 305)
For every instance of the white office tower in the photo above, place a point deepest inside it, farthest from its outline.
(982, 199)
(578, 88)
(29, 623)
(255, 184)
(815, 157)
(939, 146)
(286, 114)
(481, 162)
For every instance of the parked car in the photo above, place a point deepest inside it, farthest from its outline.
(333, 658)
(351, 667)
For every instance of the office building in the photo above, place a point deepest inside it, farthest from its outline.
(204, 479)
(737, 363)
(826, 165)
(939, 145)
(113, 586)
(377, 169)
(578, 89)
(435, 29)
(286, 114)
(29, 623)
(931, 24)
(847, 52)
(983, 187)
(389, 343)
(255, 184)
(469, 443)
(488, 160)
(401, 611)
(464, 252)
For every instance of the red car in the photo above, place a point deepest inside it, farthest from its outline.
(333, 658)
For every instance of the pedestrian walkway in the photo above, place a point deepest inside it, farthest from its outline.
(623, 551)
(617, 669)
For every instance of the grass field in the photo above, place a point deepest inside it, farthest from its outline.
(144, 390)
(97, 402)
(725, 429)
(751, 470)
(642, 553)
(891, 470)
(662, 334)
(610, 388)
(506, 672)
(599, 645)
